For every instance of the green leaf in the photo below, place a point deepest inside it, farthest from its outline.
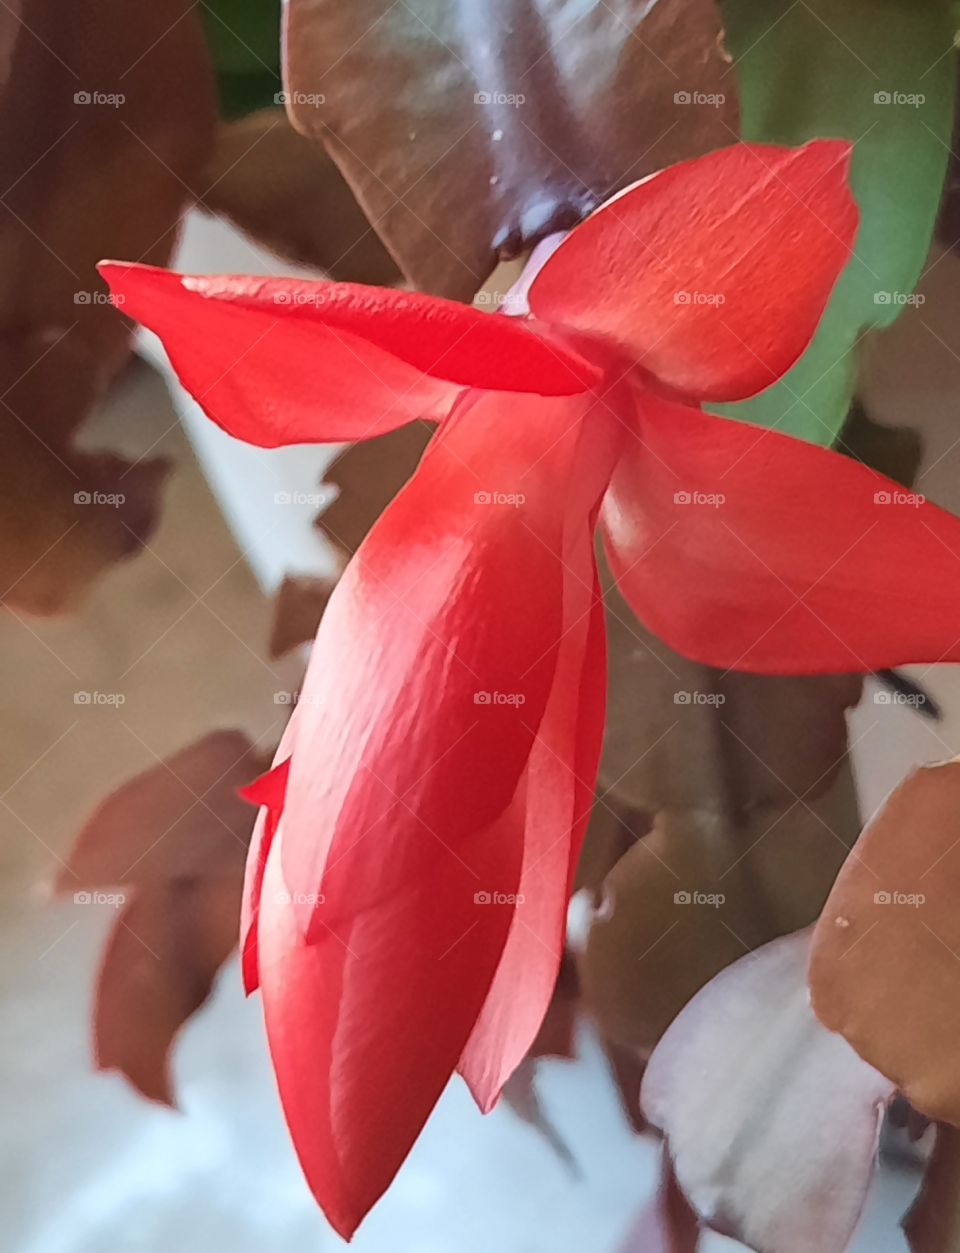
(244, 41)
(880, 73)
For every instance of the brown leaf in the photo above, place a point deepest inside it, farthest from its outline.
(611, 833)
(666, 1224)
(368, 476)
(522, 1096)
(699, 892)
(885, 970)
(626, 1070)
(176, 838)
(289, 194)
(297, 609)
(932, 1223)
(158, 969)
(556, 1035)
(107, 114)
(497, 122)
(772, 1122)
(105, 120)
(680, 734)
(65, 516)
(180, 819)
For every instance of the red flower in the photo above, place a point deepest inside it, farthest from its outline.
(406, 893)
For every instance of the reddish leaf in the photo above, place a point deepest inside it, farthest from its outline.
(885, 971)
(297, 610)
(158, 969)
(176, 838)
(288, 194)
(367, 477)
(105, 121)
(682, 735)
(779, 1152)
(704, 887)
(520, 1094)
(498, 122)
(180, 819)
(932, 1223)
(666, 1224)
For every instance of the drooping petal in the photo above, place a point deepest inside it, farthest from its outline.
(380, 929)
(435, 658)
(268, 792)
(366, 1025)
(714, 273)
(749, 550)
(289, 361)
(560, 781)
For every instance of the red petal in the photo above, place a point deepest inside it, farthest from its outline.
(365, 1026)
(435, 657)
(287, 361)
(560, 778)
(749, 550)
(268, 791)
(714, 273)
(407, 798)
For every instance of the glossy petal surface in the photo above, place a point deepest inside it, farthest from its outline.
(749, 550)
(288, 361)
(560, 782)
(714, 273)
(391, 883)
